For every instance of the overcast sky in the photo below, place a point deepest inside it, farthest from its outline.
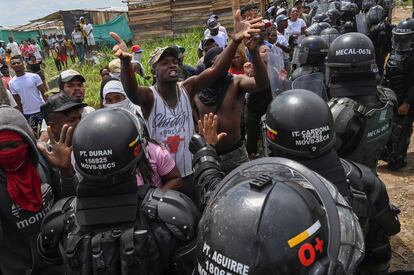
(16, 12)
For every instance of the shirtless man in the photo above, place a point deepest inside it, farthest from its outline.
(225, 97)
(171, 99)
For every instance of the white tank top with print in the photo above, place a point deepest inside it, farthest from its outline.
(173, 127)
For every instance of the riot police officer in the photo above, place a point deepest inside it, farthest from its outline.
(279, 219)
(310, 56)
(379, 31)
(399, 76)
(329, 35)
(299, 126)
(112, 226)
(347, 20)
(362, 111)
(334, 16)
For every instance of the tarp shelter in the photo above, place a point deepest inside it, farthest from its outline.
(19, 36)
(102, 19)
(119, 25)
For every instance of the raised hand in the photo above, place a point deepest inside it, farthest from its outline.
(58, 153)
(253, 42)
(120, 49)
(208, 129)
(245, 28)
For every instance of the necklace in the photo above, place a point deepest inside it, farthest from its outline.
(171, 108)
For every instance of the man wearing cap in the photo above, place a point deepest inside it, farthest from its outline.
(59, 110)
(71, 83)
(207, 45)
(166, 105)
(216, 32)
(137, 60)
(28, 90)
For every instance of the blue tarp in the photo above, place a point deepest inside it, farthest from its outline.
(118, 25)
(19, 36)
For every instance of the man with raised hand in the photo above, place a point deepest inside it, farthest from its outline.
(166, 105)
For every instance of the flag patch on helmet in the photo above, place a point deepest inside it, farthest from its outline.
(304, 235)
(271, 134)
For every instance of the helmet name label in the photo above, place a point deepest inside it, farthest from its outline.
(353, 51)
(219, 264)
(311, 136)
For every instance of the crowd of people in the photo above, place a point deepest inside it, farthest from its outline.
(60, 47)
(260, 159)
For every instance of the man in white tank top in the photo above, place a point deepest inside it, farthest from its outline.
(166, 106)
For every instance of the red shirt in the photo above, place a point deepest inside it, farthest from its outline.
(234, 71)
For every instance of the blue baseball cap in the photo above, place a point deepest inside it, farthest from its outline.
(281, 18)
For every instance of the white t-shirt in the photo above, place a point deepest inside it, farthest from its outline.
(281, 39)
(88, 28)
(295, 27)
(14, 49)
(220, 39)
(87, 110)
(25, 87)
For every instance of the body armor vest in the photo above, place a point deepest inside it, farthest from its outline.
(375, 126)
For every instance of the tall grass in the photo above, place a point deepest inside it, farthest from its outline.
(189, 41)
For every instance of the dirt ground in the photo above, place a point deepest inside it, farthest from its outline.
(400, 186)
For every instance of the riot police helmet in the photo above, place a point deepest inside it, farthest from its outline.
(107, 145)
(329, 35)
(294, 222)
(350, 8)
(317, 28)
(374, 15)
(317, 49)
(334, 15)
(321, 17)
(403, 36)
(351, 53)
(367, 4)
(292, 128)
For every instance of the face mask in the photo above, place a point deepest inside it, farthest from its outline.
(115, 75)
(11, 160)
(122, 104)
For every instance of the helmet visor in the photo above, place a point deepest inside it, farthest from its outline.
(402, 41)
(329, 38)
(300, 55)
(311, 82)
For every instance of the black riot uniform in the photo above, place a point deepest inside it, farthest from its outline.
(310, 56)
(399, 76)
(294, 131)
(379, 31)
(362, 111)
(112, 226)
(347, 20)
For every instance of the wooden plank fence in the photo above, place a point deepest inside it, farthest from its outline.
(167, 18)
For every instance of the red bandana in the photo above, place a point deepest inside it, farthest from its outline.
(23, 180)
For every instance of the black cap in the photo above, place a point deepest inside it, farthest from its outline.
(59, 103)
(248, 7)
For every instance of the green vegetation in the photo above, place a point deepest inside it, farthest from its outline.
(91, 73)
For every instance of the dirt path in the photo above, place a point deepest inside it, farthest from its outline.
(400, 186)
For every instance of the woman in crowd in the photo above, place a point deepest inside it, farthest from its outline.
(239, 60)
